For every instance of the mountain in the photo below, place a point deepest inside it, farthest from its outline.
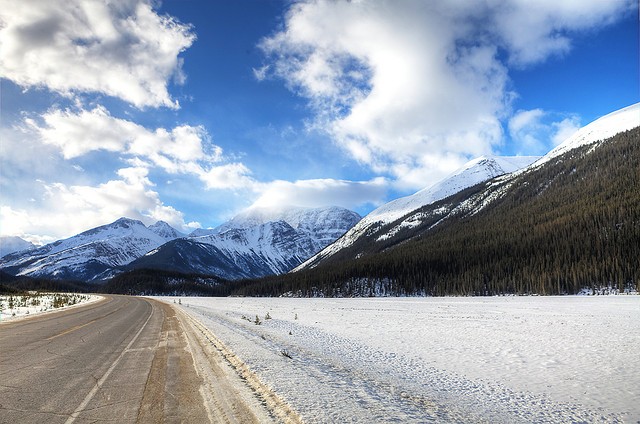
(568, 221)
(323, 225)
(90, 255)
(255, 243)
(11, 244)
(472, 173)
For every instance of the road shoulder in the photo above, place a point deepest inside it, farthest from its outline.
(230, 390)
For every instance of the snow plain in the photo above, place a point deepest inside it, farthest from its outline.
(35, 304)
(497, 359)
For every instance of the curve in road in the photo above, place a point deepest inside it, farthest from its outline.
(123, 359)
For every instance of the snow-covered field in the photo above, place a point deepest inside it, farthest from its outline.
(498, 359)
(17, 306)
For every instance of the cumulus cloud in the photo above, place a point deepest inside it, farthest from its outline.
(322, 192)
(405, 85)
(66, 210)
(531, 32)
(230, 176)
(121, 48)
(184, 149)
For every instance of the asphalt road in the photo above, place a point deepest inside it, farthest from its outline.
(123, 359)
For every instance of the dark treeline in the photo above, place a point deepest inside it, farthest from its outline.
(160, 282)
(10, 284)
(139, 282)
(570, 224)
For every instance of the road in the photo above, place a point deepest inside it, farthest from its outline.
(123, 359)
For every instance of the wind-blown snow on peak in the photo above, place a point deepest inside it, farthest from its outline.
(473, 172)
(297, 217)
(598, 130)
(12, 244)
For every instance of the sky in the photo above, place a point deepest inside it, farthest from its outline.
(190, 111)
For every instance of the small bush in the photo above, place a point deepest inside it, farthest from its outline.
(286, 353)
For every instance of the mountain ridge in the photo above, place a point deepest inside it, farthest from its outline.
(255, 243)
(474, 172)
(91, 253)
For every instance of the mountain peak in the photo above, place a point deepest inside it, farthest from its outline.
(473, 172)
(11, 244)
(165, 230)
(125, 222)
(296, 216)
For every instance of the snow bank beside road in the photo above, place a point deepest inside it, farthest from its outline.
(19, 306)
(500, 359)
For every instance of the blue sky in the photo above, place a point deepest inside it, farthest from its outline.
(191, 111)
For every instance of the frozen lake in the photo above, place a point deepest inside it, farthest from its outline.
(497, 359)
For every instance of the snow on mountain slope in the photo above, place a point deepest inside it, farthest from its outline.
(323, 224)
(165, 230)
(269, 248)
(88, 255)
(474, 172)
(598, 130)
(11, 244)
(255, 243)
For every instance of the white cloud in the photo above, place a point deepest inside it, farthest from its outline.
(66, 210)
(537, 131)
(121, 48)
(322, 192)
(565, 129)
(184, 149)
(532, 31)
(405, 85)
(233, 176)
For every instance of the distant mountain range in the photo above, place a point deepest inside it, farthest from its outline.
(256, 243)
(91, 255)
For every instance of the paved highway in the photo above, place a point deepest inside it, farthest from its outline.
(123, 359)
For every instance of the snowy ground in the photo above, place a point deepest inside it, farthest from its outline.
(499, 359)
(18, 306)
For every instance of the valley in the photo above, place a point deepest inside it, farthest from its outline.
(319, 211)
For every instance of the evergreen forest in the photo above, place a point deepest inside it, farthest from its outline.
(569, 224)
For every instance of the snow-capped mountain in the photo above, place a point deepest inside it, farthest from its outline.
(474, 172)
(323, 225)
(12, 244)
(412, 211)
(255, 243)
(92, 254)
(165, 230)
